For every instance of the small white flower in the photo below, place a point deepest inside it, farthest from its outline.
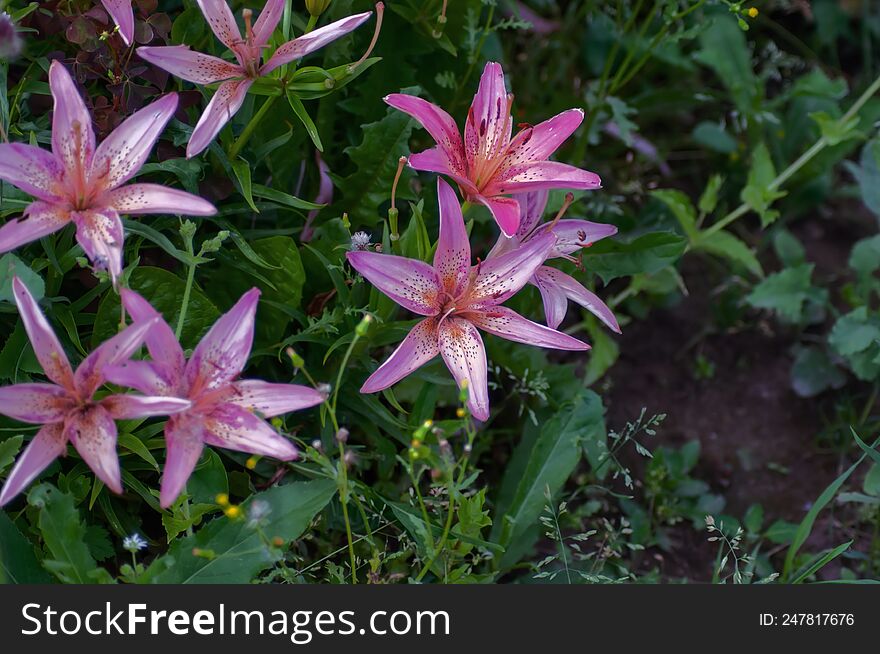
(360, 241)
(133, 543)
(257, 513)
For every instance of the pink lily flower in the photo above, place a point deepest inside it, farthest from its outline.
(236, 79)
(487, 164)
(67, 408)
(556, 287)
(123, 15)
(324, 196)
(80, 183)
(221, 409)
(456, 299)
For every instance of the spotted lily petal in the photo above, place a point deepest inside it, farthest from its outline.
(187, 64)
(93, 433)
(145, 376)
(508, 324)
(488, 127)
(500, 277)
(100, 235)
(155, 198)
(270, 399)
(122, 154)
(48, 445)
(73, 140)
(220, 356)
(449, 153)
(183, 447)
(35, 403)
(160, 340)
(413, 284)
(556, 283)
(465, 356)
(222, 22)
(40, 219)
(539, 142)
(542, 175)
(419, 347)
(452, 260)
(46, 346)
(505, 211)
(268, 21)
(90, 373)
(34, 171)
(223, 106)
(572, 235)
(129, 407)
(235, 428)
(314, 40)
(123, 15)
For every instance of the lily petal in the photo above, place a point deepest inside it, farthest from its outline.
(413, 284)
(572, 235)
(508, 324)
(500, 277)
(222, 22)
(554, 298)
(270, 399)
(488, 127)
(449, 152)
(222, 353)
(122, 154)
(129, 407)
(324, 196)
(46, 345)
(100, 235)
(542, 175)
(123, 15)
(314, 40)
(452, 260)
(40, 219)
(48, 445)
(235, 428)
(267, 22)
(187, 64)
(73, 140)
(437, 160)
(183, 447)
(419, 347)
(35, 403)
(539, 142)
(465, 356)
(93, 433)
(223, 106)
(161, 342)
(33, 170)
(531, 209)
(90, 373)
(155, 198)
(143, 376)
(572, 289)
(505, 211)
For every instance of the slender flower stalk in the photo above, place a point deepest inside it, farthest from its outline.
(237, 78)
(84, 184)
(486, 162)
(457, 299)
(123, 15)
(67, 408)
(556, 287)
(222, 410)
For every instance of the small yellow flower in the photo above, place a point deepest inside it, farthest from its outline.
(251, 463)
(461, 413)
(222, 499)
(232, 512)
(753, 12)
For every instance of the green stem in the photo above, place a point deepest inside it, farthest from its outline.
(251, 126)
(799, 163)
(439, 548)
(187, 290)
(343, 496)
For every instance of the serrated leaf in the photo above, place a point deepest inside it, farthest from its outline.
(784, 292)
(724, 244)
(757, 193)
(648, 254)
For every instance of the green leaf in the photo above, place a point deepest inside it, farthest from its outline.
(789, 250)
(724, 244)
(871, 483)
(681, 207)
(867, 174)
(11, 266)
(725, 51)
(242, 170)
(813, 372)
(709, 198)
(164, 291)
(300, 110)
(648, 253)
(819, 562)
(18, 560)
(376, 157)
(239, 553)
(757, 192)
(854, 332)
(620, 113)
(64, 534)
(784, 292)
(835, 130)
(552, 459)
(865, 256)
(284, 199)
(714, 137)
(9, 448)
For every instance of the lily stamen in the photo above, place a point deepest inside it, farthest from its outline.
(380, 11)
(569, 198)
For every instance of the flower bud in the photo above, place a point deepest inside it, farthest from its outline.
(10, 43)
(317, 7)
(342, 435)
(364, 325)
(295, 359)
